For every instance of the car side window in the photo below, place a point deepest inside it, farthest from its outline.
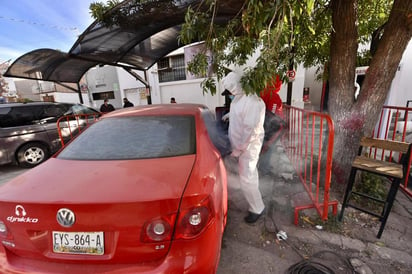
(52, 113)
(5, 117)
(20, 116)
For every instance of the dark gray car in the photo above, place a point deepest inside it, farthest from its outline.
(28, 131)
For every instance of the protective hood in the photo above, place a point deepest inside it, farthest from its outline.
(231, 82)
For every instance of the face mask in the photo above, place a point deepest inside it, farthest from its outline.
(231, 97)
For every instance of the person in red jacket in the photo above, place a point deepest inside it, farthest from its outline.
(270, 95)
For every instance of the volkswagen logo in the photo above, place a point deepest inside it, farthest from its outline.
(65, 217)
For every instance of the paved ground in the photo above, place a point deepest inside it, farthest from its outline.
(8, 172)
(338, 246)
(342, 247)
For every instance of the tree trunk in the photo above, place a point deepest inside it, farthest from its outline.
(354, 119)
(343, 49)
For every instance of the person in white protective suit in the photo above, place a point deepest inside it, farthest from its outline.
(246, 118)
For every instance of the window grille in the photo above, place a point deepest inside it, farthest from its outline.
(172, 69)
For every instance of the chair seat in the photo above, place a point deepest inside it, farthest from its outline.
(380, 167)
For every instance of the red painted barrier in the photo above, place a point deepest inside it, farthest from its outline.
(308, 143)
(71, 125)
(394, 124)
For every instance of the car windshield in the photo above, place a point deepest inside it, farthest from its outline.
(81, 109)
(134, 137)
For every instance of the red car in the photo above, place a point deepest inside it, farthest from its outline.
(143, 190)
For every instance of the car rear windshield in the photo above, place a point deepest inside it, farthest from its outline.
(136, 137)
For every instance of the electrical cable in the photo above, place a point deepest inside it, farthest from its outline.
(323, 262)
(14, 20)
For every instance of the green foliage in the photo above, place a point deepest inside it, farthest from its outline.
(372, 15)
(364, 58)
(374, 186)
(200, 70)
(98, 11)
(278, 29)
(209, 84)
(267, 26)
(284, 31)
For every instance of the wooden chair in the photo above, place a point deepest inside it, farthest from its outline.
(396, 172)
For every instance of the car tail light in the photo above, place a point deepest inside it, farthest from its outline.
(159, 229)
(194, 220)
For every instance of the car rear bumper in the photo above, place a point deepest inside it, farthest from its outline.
(199, 255)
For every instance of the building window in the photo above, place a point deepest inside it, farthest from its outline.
(103, 95)
(172, 68)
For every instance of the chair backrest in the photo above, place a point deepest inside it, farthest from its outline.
(385, 144)
(389, 145)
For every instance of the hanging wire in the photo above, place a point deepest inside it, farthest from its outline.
(73, 29)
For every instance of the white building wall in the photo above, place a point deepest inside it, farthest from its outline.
(104, 79)
(11, 86)
(297, 88)
(400, 91)
(118, 80)
(401, 88)
(315, 88)
(71, 98)
(153, 80)
(130, 87)
(189, 91)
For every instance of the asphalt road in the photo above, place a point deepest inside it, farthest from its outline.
(8, 172)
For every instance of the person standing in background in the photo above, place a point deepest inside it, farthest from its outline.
(106, 107)
(127, 103)
(173, 100)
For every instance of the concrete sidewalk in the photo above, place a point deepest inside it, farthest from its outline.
(341, 247)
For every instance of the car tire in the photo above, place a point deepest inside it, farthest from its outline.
(32, 154)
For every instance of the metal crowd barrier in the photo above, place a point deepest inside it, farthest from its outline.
(70, 126)
(308, 143)
(394, 124)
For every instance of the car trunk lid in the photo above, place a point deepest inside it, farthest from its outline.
(111, 202)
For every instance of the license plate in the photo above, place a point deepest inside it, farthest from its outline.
(78, 242)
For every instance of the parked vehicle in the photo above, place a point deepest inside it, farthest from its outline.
(28, 131)
(141, 190)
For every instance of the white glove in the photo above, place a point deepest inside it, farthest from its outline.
(225, 117)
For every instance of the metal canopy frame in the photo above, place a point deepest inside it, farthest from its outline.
(145, 33)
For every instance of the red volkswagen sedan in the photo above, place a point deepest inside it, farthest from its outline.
(143, 190)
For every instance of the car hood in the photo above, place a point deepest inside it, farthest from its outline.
(71, 181)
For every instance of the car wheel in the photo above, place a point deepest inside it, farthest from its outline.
(32, 154)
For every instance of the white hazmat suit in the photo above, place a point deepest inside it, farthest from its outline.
(246, 118)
